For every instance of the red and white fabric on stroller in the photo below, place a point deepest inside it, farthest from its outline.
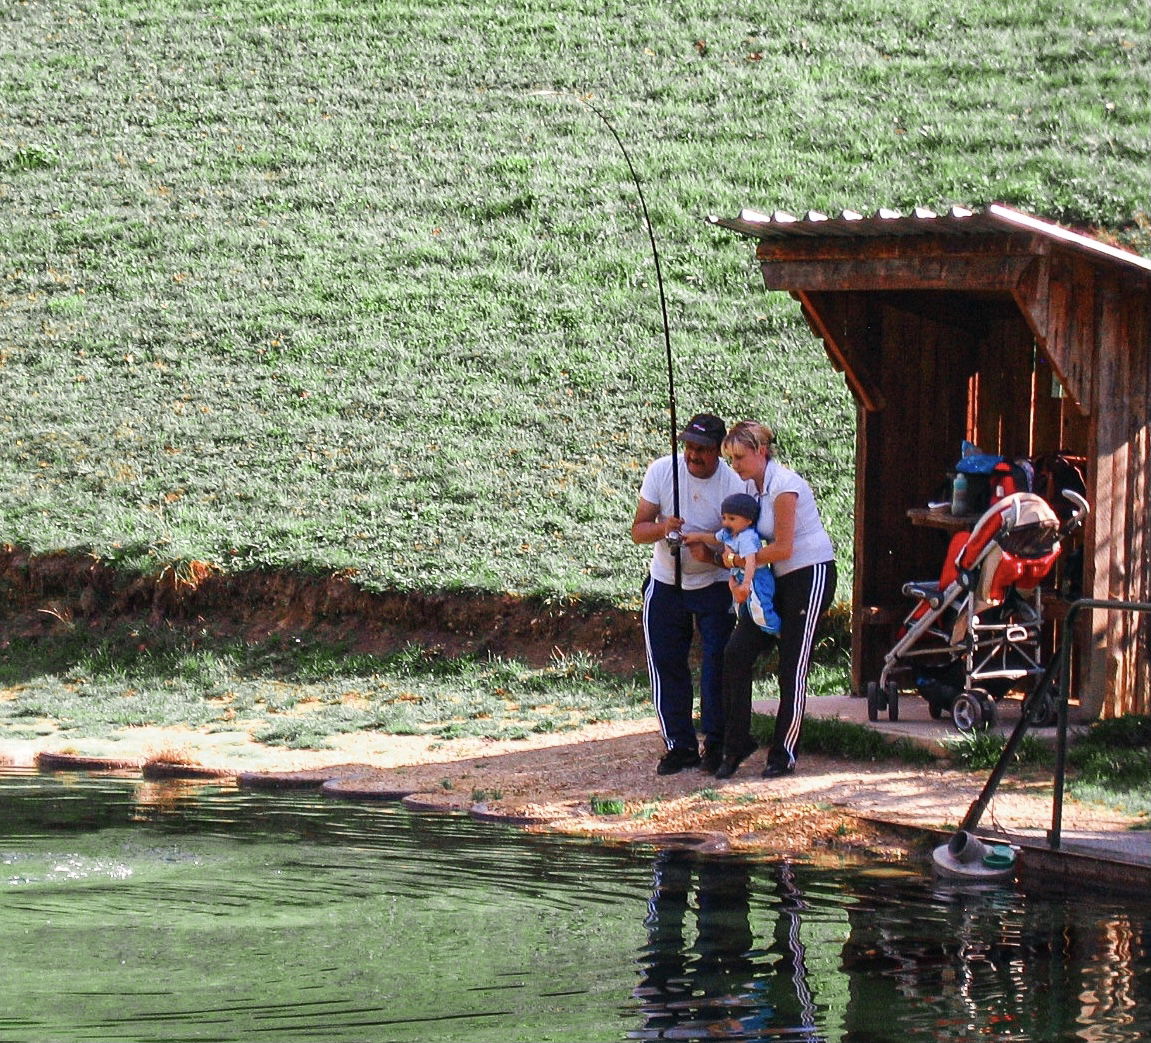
(974, 635)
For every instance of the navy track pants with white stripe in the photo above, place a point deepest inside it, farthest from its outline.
(670, 617)
(801, 598)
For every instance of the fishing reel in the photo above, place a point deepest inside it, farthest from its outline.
(674, 541)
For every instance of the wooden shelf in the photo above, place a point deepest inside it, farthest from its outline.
(942, 519)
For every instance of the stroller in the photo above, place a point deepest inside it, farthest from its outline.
(974, 635)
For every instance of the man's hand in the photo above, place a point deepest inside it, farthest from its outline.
(701, 546)
(648, 527)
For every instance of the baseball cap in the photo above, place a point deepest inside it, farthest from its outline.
(704, 429)
(743, 504)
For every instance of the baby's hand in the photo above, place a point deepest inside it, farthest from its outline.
(695, 537)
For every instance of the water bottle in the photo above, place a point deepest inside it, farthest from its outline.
(959, 504)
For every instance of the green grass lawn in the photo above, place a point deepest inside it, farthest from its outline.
(292, 692)
(331, 285)
(328, 285)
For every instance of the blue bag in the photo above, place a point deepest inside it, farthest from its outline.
(972, 461)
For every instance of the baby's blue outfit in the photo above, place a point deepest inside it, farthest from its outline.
(760, 604)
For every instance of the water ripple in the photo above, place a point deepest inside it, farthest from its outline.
(144, 912)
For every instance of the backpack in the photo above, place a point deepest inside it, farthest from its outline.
(1055, 472)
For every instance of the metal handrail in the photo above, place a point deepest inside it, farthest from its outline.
(1061, 665)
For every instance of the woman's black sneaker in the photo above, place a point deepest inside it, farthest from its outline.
(777, 771)
(711, 759)
(676, 759)
(730, 764)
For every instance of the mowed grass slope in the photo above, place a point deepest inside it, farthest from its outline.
(329, 285)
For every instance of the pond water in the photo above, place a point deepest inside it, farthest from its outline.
(143, 911)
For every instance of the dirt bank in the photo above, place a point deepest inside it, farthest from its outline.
(40, 594)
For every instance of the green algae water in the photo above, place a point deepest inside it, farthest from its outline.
(140, 911)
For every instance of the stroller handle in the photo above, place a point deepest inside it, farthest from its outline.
(1081, 510)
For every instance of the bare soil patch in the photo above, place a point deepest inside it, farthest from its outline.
(42, 593)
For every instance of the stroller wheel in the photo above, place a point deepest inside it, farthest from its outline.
(891, 694)
(875, 700)
(969, 711)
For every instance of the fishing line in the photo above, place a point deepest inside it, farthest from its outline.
(674, 545)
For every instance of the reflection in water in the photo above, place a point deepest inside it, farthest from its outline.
(717, 985)
(979, 963)
(750, 951)
(142, 912)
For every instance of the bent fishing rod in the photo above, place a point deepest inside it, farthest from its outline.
(674, 540)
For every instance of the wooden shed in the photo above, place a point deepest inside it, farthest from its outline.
(1011, 332)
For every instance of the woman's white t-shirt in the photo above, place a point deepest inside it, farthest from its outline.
(811, 545)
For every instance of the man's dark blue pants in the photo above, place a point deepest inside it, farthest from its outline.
(670, 619)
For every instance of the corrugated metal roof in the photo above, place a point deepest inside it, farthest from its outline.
(956, 221)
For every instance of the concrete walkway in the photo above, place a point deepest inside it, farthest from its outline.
(1111, 858)
(915, 722)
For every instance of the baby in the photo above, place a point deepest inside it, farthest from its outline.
(752, 586)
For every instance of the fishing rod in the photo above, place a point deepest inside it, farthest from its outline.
(674, 540)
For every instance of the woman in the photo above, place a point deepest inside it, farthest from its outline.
(799, 551)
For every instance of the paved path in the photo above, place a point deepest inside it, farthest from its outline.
(1113, 854)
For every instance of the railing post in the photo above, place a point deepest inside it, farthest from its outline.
(1061, 711)
(1063, 663)
(1054, 837)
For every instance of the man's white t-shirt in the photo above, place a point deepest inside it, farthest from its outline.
(699, 503)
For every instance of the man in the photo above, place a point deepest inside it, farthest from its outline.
(676, 601)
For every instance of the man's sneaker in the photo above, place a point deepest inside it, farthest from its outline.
(676, 759)
(712, 758)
